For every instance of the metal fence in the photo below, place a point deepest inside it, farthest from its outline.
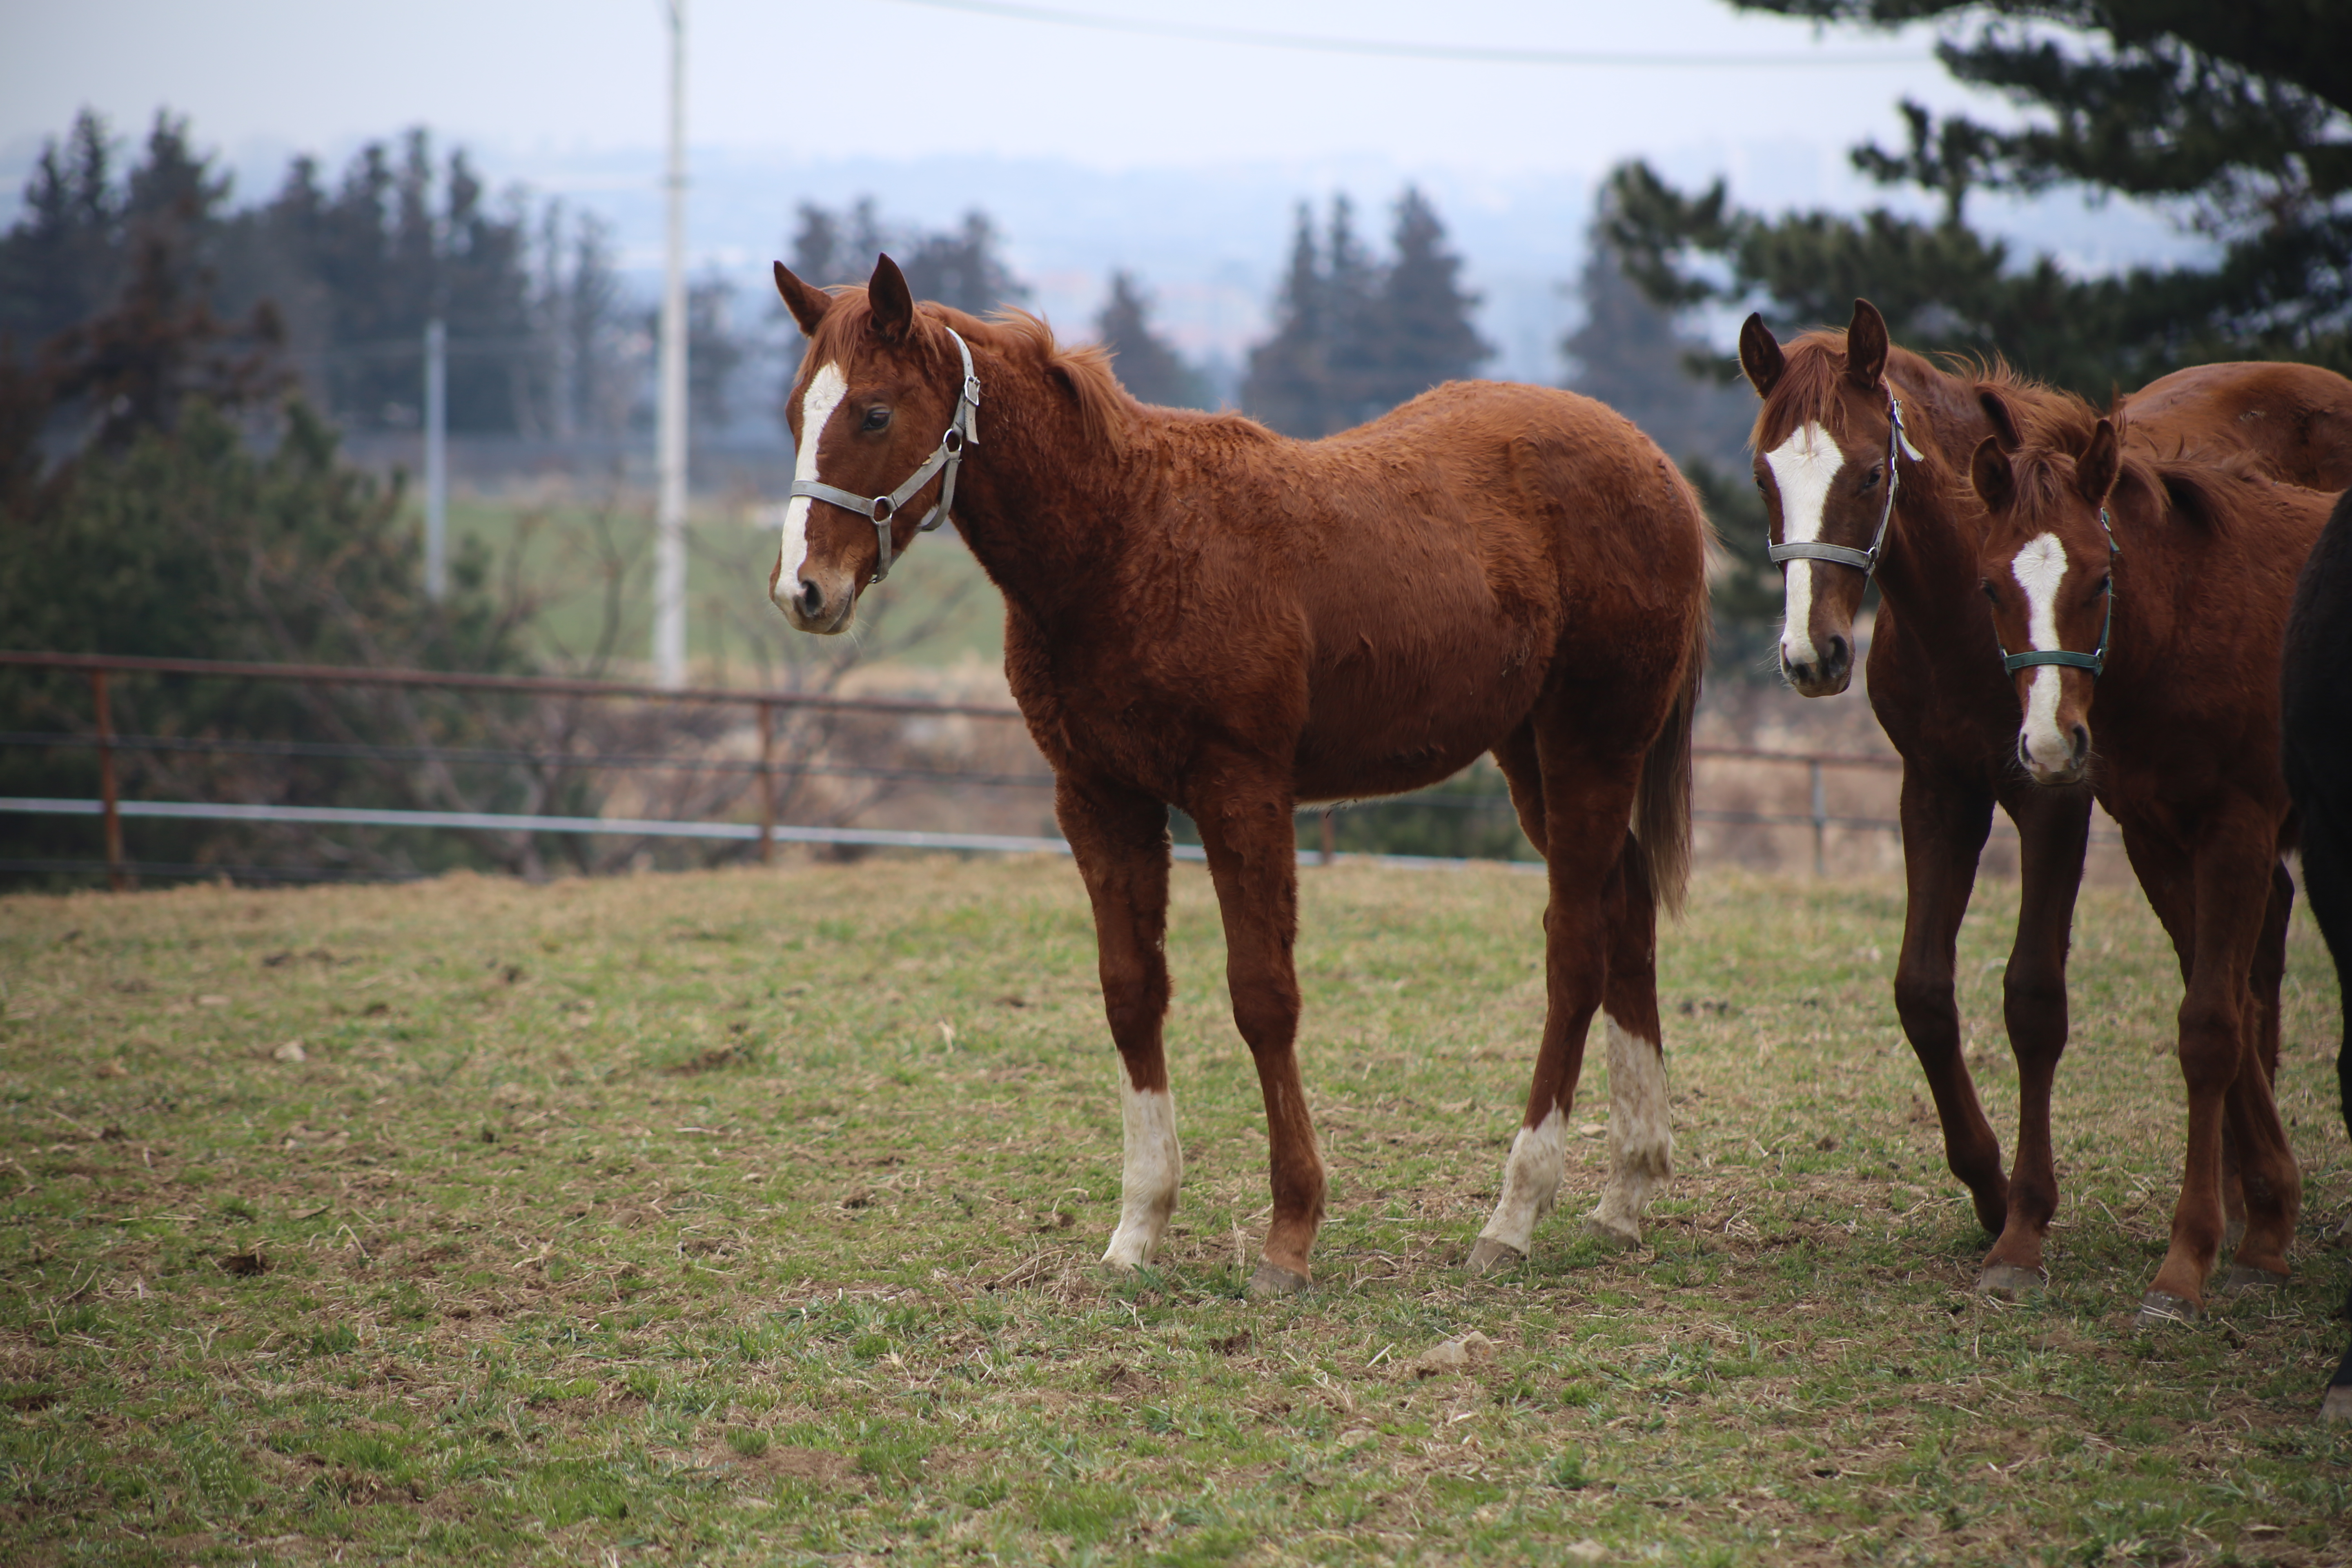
(766, 770)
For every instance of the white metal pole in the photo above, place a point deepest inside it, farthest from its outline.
(669, 535)
(437, 459)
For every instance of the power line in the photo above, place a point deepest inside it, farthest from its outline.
(1386, 49)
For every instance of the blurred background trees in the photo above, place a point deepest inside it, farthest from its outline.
(1354, 337)
(2236, 120)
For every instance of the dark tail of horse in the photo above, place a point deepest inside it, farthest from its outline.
(1661, 810)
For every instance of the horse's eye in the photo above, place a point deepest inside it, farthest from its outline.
(877, 419)
(2106, 584)
(1991, 592)
(1869, 480)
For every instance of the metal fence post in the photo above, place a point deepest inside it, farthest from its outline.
(115, 878)
(767, 784)
(1330, 838)
(1820, 820)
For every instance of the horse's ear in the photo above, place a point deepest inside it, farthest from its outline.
(2095, 469)
(1759, 354)
(1989, 472)
(893, 304)
(1865, 346)
(2001, 418)
(807, 305)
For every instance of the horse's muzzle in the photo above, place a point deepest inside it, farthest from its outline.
(1824, 676)
(811, 609)
(2067, 770)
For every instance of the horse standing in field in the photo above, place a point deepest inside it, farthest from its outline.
(1861, 452)
(1199, 613)
(2315, 742)
(2159, 587)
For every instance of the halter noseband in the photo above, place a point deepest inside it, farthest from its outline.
(1863, 560)
(962, 431)
(2096, 662)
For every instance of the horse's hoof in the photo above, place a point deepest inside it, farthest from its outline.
(2337, 1405)
(1621, 1236)
(2009, 1281)
(2159, 1308)
(2244, 1278)
(1492, 1257)
(1271, 1279)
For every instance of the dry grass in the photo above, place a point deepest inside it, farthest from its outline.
(751, 1216)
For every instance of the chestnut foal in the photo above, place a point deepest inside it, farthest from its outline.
(2160, 587)
(1199, 613)
(1852, 496)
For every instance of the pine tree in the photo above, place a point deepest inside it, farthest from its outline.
(1287, 382)
(1146, 364)
(60, 263)
(2236, 115)
(1424, 314)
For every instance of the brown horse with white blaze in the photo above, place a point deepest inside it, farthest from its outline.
(1201, 613)
(2158, 588)
(1852, 497)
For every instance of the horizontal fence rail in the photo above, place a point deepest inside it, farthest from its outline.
(767, 769)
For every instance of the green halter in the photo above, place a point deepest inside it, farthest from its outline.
(2096, 662)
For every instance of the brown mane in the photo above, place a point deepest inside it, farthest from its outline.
(2057, 425)
(1105, 408)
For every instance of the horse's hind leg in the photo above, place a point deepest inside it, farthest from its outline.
(2264, 1222)
(1641, 1133)
(1587, 803)
(1120, 842)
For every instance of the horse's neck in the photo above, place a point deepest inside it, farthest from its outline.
(1930, 569)
(1042, 508)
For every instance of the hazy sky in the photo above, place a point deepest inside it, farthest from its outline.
(894, 79)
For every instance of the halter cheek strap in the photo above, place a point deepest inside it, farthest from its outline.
(962, 431)
(1863, 560)
(2096, 662)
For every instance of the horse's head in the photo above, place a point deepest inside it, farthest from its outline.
(1825, 444)
(877, 386)
(2046, 562)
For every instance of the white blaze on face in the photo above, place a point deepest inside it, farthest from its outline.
(826, 388)
(1802, 467)
(1532, 1174)
(2039, 568)
(1641, 1134)
(1155, 1169)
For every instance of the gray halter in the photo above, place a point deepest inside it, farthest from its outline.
(962, 431)
(1863, 560)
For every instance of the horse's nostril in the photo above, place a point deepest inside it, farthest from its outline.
(2082, 742)
(1838, 655)
(812, 598)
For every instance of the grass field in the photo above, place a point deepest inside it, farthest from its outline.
(751, 1216)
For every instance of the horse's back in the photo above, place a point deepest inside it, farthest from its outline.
(2293, 419)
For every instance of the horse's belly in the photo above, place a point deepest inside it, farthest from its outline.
(1383, 721)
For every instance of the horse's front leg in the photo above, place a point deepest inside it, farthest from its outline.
(2054, 829)
(2221, 1064)
(1120, 841)
(1246, 828)
(1944, 827)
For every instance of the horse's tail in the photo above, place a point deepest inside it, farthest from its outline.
(1662, 808)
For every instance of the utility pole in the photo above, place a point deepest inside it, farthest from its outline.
(436, 460)
(669, 527)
